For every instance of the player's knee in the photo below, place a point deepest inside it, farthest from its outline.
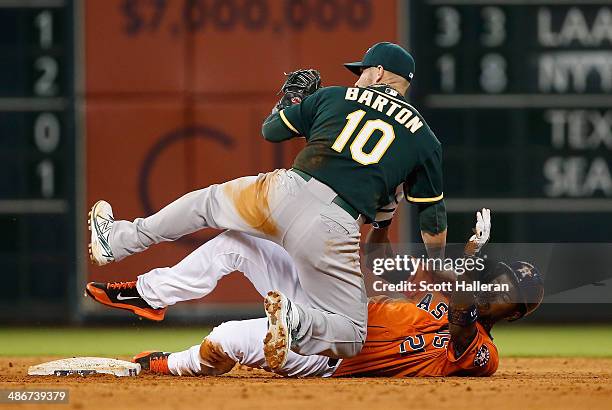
(351, 349)
(214, 361)
(217, 351)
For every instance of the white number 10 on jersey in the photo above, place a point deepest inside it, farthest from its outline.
(370, 126)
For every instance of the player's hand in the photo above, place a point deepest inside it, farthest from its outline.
(482, 232)
(298, 85)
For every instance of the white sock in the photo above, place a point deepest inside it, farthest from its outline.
(185, 363)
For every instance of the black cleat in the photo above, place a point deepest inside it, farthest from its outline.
(124, 295)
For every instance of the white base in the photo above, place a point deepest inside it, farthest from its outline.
(83, 366)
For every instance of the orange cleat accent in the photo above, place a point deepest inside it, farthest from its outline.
(153, 361)
(110, 294)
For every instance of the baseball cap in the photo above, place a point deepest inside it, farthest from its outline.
(392, 57)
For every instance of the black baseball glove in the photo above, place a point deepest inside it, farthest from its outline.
(298, 85)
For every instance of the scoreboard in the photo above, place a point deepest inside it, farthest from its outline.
(519, 92)
(37, 156)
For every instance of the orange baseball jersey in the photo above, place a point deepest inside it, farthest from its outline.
(412, 339)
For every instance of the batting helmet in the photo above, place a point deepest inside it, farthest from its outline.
(529, 282)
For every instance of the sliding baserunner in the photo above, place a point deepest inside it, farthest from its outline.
(434, 335)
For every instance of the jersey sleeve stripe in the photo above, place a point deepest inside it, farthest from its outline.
(287, 123)
(422, 200)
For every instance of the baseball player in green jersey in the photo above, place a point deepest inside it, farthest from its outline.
(364, 144)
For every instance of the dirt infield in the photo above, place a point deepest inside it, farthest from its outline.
(537, 383)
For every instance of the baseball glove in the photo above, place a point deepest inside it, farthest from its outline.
(298, 85)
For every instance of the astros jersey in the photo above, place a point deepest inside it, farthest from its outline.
(408, 339)
(364, 143)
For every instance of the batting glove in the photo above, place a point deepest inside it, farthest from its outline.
(482, 232)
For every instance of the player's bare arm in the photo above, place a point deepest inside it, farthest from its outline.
(434, 242)
(377, 244)
(463, 311)
(462, 317)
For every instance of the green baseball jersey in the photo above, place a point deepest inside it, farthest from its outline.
(364, 143)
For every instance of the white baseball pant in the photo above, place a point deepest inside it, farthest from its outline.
(266, 265)
(241, 342)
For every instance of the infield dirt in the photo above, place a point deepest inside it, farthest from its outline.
(520, 383)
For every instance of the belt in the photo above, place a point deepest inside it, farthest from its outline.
(337, 200)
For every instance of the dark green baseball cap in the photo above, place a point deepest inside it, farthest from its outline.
(389, 55)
